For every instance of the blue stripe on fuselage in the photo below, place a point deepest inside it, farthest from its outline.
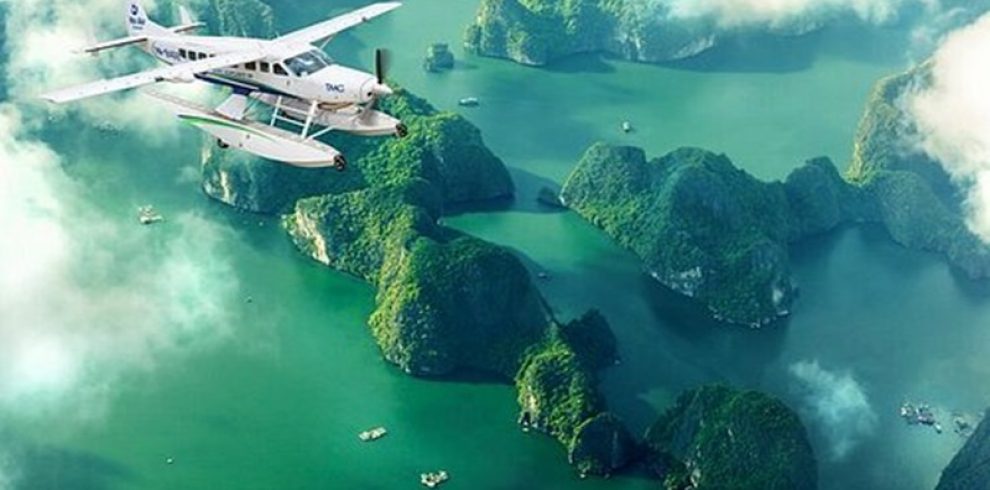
(239, 85)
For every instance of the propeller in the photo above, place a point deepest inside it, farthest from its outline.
(381, 89)
(380, 65)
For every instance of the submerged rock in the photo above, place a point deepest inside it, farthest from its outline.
(716, 437)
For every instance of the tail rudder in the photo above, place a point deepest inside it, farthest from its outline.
(137, 21)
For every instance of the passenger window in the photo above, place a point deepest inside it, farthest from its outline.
(265, 67)
(202, 56)
(183, 54)
(252, 66)
(279, 70)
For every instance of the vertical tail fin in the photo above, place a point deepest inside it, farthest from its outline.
(138, 23)
(185, 18)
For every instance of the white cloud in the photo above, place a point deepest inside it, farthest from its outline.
(952, 115)
(836, 404)
(87, 300)
(40, 39)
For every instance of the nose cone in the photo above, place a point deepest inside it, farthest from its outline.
(381, 89)
(371, 89)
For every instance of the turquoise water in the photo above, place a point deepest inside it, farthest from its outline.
(278, 401)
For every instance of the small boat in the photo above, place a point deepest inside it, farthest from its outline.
(469, 102)
(626, 127)
(432, 480)
(147, 215)
(169, 460)
(373, 434)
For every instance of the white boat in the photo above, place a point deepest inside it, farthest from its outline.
(626, 127)
(432, 480)
(469, 102)
(147, 215)
(373, 434)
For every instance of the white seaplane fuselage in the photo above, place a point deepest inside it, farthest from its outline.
(332, 85)
(305, 88)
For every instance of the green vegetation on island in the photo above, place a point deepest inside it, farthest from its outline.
(705, 228)
(968, 468)
(557, 391)
(716, 437)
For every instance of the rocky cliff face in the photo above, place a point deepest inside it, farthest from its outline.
(716, 437)
(970, 468)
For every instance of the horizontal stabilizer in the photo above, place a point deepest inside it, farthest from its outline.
(181, 29)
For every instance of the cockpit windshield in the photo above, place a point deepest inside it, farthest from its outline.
(307, 63)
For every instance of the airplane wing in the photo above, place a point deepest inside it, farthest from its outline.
(326, 29)
(151, 76)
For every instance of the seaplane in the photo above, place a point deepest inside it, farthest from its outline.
(305, 90)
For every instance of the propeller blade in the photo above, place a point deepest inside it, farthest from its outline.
(380, 65)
